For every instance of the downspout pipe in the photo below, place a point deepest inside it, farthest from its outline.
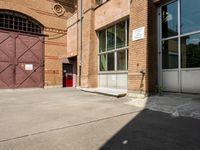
(81, 41)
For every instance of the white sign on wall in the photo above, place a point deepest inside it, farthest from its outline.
(138, 34)
(28, 66)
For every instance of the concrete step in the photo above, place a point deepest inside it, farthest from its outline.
(106, 91)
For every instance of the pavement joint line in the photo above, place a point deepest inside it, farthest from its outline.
(70, 126)
(183, 105)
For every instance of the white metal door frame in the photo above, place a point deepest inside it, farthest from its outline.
(160, 39)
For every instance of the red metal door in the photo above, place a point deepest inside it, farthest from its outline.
(67, 75)
(69, 81)
(21, 60)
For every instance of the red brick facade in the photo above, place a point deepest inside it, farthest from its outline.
(64, 38)
(142, 74)
(142, 53)
(55, 29)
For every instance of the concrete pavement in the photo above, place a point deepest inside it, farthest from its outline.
(68, 119)
(175, 104)
(24, 113)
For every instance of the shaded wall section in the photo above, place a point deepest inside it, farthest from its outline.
(142, 72)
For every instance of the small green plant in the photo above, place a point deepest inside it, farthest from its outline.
(160, 89)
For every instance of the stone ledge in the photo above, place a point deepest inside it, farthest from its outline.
(106, 91)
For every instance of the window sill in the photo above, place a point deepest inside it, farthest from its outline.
(114, 72)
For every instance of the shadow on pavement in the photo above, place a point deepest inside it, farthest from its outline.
(152, 130)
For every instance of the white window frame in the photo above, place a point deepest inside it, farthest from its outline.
(115, 50)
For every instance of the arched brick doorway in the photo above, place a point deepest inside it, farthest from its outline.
(21, 51)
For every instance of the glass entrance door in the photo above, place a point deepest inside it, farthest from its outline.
(179, 52)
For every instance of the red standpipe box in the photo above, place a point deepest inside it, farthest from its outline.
(69, 81)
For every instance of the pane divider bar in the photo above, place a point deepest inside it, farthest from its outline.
(179, 47)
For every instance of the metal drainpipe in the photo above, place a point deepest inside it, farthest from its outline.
(81, 41)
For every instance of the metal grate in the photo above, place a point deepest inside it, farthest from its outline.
(18, 22)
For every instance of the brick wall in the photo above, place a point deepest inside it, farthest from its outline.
(95, 18)
(60, 44)
(54, 27)
(110, 12)
(89, 51)
(152, 50)
(143, 53)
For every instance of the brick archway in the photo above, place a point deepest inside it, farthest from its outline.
(22, 9)
(21, 51)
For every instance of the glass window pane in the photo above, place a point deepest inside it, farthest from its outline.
(127, 58)
(190, 51)
(120, 34)
(111, 61)
(190, 13)
(103, 62)
(170, 20)
(127, 32)
(111, 38)
(102, 41)
(121, 60)
(170, 54)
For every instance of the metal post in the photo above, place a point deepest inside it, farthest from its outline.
(81, 40)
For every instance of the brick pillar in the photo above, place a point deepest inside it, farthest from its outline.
(143, 52)
(152, 51)
(89, 52)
